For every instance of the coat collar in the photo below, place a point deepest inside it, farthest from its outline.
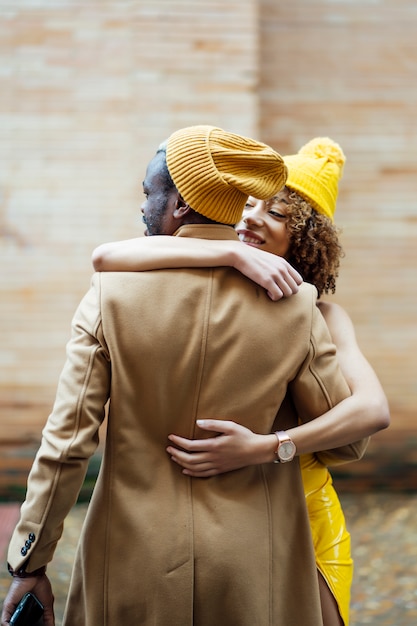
(207, 231)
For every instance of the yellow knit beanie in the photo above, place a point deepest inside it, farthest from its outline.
(314, 173)
(215, 171)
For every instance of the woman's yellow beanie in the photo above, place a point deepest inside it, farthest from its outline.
(215, 171)
(314, 173)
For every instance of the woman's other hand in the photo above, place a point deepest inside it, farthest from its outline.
(232, 446)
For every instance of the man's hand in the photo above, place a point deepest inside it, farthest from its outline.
(271, 272)
(233, 446)
(40, 586)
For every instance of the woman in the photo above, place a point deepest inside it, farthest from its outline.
(295, 224)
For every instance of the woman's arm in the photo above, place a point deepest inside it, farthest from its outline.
(357, 417)
(271, 272)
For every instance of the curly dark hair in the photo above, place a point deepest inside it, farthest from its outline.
(314, 250)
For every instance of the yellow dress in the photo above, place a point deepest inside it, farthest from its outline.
(331, 539)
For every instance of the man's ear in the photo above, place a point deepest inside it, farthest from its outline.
(181, 208)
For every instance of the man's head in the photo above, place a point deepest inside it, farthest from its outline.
(162, 205)
(205, 174)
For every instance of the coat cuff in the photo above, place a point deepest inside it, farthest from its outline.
(22, 573)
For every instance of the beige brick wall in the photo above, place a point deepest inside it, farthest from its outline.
(348, 70)
(87, 91)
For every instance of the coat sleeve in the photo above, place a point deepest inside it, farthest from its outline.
(319, 384)
(69, 439)
(344, 454)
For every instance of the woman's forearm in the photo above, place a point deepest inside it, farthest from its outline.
(347, 422)
(163, 251)
(236, 446)
(271, 272)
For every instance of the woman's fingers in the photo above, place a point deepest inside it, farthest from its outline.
(283, 281)
(187, 459)
(193, 464)
(219, 427)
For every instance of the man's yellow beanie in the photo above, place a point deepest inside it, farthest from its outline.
(215, 171)
(314, 173)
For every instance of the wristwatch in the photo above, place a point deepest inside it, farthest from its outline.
(286, 447)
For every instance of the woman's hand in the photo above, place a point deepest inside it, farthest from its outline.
(233, 446)
(271, 272)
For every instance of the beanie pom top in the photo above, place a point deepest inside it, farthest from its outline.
(314, 173)
(325, 148)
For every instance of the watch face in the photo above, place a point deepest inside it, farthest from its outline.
(286, 451)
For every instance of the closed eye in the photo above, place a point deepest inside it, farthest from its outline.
(276, 214)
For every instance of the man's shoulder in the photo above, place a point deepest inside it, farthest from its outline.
(308, 288)
(308, 292)
(122, 281)
(130, 285)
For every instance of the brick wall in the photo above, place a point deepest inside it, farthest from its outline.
(348, 70)
(87, 91)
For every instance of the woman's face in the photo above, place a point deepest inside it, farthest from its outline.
(263, 224)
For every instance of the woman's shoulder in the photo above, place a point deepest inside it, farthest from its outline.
(338, 321)
(332, 309)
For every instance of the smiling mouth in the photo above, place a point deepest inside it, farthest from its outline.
(247, 237)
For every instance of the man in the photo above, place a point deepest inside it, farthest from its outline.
(166, 348)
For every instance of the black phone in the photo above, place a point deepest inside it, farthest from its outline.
(29, 612)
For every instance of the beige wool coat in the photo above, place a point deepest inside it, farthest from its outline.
(159, 548)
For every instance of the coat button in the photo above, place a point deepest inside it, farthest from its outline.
(23, 551)
(28, 544)
(32, 537)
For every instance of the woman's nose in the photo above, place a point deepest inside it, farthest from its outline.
(252, 218)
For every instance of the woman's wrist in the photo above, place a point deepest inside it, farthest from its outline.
(267, 447)
(238, 255)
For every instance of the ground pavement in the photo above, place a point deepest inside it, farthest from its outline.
(383, 528)
(379, 497)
